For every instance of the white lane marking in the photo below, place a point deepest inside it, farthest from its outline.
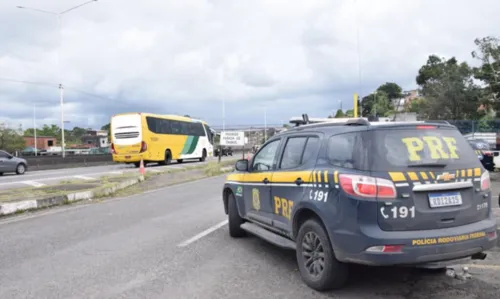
(86, 178)
(152, 170)
(203, 234)
(33, 183)
(116, 172)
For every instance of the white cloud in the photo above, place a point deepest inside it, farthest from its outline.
(185, 56)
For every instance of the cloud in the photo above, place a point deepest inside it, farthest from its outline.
(189, 56)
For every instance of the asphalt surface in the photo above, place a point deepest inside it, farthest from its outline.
(47, 177)
(173, 243)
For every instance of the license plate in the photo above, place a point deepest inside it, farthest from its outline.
(438, 200)
(128, 157)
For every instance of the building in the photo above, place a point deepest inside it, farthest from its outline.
(42, 142)
(96, 138)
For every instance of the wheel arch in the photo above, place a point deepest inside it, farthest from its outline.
(303, 214)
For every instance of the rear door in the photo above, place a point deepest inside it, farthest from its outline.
(439, 181)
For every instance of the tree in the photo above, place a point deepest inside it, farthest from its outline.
(349, 113)
(339, 114)
(489, 72)
(10, 141)
(376, 104)
(391, 89)
(449, 90)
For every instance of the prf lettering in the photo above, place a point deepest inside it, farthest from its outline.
(283, 207)
(439, 148)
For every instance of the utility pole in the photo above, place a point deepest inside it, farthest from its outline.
(61, 91)
(34, 128)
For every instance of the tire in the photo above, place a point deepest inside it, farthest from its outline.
(137, 164)
(234, 219)
(168, 157)
(334, 274)
(180, 161)
(1, 173)
(203, 155)
(20, 169)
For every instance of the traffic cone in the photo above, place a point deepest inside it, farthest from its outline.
(248, 156)
(142, 170)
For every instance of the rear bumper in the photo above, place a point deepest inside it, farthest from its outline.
(443, 244)
(129, 158)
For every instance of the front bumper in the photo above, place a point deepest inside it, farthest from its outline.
(419, 247)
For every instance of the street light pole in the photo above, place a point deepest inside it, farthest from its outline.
(34, 127)
(59, 32)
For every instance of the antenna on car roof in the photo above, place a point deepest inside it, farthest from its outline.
(305, 117)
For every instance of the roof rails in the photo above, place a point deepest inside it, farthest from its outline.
(305, 120)
(437, 122)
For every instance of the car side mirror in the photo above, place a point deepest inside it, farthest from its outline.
(10, 157)
(241, 165)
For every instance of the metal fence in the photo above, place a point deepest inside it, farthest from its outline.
(477, 126)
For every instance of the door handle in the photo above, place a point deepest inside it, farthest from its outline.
(265, 181)
(299, 181)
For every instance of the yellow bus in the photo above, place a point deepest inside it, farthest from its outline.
(159, 139)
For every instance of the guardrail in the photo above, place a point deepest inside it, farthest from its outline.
(57, 162)
(72, 161)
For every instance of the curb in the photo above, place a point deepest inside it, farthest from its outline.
(15, 207)
(33, 204)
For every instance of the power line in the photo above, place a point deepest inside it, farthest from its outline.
(29, 82)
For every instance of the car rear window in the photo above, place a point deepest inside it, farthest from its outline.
(405, 148)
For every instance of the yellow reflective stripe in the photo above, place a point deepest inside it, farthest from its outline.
(336, 176)
(413, 176)
(424, 175)
(477, 171)
(469, 172)
(457, 174)
(326, 176)
(397, 176)
(463, 173)
(432, 175)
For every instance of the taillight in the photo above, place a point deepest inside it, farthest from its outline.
(485, 181)
(488, 154)
(113, 148)
(386, 249)
(365, 186)
(144, 146)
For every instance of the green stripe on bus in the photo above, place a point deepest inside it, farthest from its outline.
(187, 145)
(194, 143)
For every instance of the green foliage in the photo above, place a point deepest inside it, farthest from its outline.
(449, 90)
(376, 104)
(489, 72)
(339, 114)
(349, 113)
(73, 136)
(391, 89)
(11, 141)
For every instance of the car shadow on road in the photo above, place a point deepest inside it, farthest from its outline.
(395, 282)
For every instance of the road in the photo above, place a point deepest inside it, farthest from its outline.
(45, 177)
(173, 243)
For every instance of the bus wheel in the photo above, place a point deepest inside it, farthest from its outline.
(203, 156)
(180, 161)
(168, 157)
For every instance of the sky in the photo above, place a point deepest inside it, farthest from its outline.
(234, 62)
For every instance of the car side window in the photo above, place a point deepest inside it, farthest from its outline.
(292, 153)
(341, 150)
(263, 160)
(310, 150)
(3, 154)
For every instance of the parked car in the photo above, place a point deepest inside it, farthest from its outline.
(226, 151)
(10, 163)
(484, 153)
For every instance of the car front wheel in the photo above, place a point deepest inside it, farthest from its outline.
(318, 266)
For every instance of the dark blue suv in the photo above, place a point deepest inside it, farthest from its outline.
(352, 191)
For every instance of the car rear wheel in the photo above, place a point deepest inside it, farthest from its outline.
(21, 168)
(234, 219)
(318, 266)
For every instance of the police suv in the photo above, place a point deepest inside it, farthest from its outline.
(352, 191)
